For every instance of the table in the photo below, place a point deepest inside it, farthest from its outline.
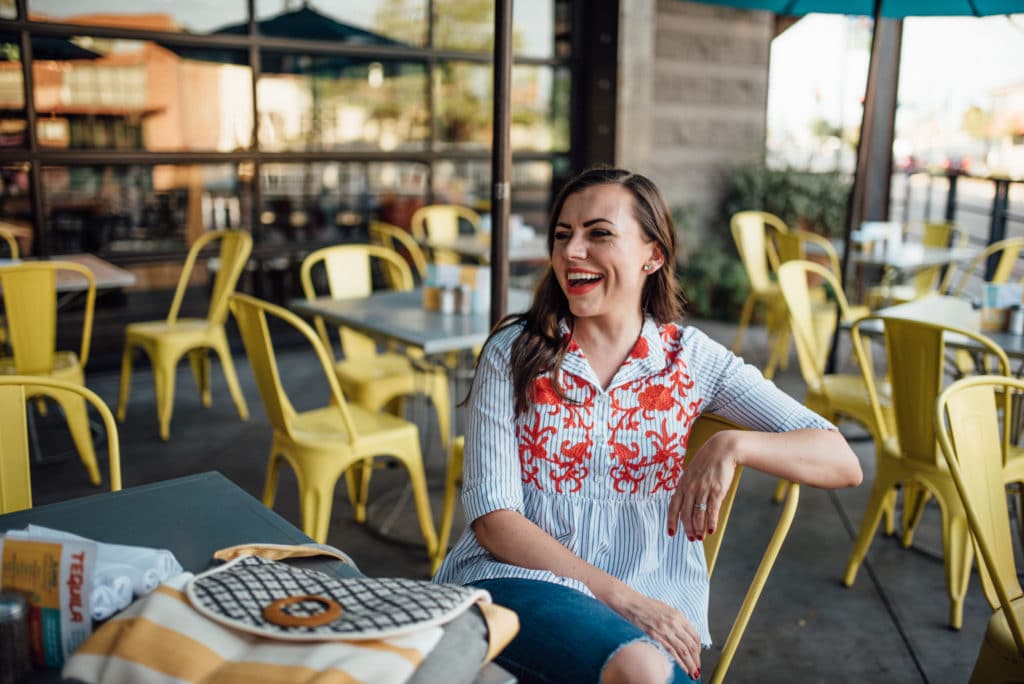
(400, 317)
(912, 257)
(196, 515)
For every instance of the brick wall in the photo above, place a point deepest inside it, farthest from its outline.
(693, 83)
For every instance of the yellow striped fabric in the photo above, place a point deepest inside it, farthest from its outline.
(162, 639)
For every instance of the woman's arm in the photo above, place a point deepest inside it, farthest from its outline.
(816, 457)
(512, 538)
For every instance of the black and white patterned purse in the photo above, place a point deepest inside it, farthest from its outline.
(279, 601)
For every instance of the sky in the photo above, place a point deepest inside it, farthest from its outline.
(947, 65)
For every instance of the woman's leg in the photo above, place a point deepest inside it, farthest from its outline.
(568, 636)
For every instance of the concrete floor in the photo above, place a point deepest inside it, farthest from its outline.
(891, 626)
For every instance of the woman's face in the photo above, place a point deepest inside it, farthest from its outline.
(600, 252)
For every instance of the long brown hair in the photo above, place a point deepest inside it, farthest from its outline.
(540, 347)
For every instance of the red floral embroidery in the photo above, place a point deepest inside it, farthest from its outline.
(568, 465)
(669, 396)
(640, 349)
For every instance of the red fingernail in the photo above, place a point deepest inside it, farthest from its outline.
(671, 532)
(690, 537)
(700, 537)
(711, 531)
(697, 675)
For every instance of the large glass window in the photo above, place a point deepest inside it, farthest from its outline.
(121, 212)
(463, 105)
(126, 94)
(313, 102)
(12, 93)
(540, 109)
(469, 25)
(190, 16)
(368, 22)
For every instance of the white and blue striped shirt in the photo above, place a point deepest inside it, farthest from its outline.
(597, 472)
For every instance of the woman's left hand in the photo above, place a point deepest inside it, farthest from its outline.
(702, 487)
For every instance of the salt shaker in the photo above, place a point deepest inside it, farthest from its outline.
(1016, 326)
(15, 661)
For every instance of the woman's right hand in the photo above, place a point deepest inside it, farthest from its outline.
(666, 624)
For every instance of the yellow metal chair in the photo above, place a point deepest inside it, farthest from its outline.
(831, 395)
(399, 240)
(909, 454)
(30, 302)
(757, 253)
(15, 475)
(323, 443)
(704, 427)
(1008, 250)
(440, 222)
(923, 282)
(370, 378)
(976, 450)
(165, 342)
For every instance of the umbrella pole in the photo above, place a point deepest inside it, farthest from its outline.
(501, 159)
(869, 193)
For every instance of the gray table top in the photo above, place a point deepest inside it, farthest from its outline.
(912, 257)
(196, 515)
(400, 317)
(952, 311)
(478, 246)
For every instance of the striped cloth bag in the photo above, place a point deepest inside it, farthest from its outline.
(214, 628)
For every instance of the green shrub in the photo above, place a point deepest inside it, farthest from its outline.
(810, 200)
(711, 276)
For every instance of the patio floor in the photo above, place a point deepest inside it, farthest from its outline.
(891, 626)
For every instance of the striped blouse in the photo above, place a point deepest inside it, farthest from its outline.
(597, 472)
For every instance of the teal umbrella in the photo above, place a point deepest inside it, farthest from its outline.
(888, 9)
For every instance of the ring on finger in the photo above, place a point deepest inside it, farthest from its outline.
(700, 507)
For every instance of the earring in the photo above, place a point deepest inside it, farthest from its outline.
(647, 266)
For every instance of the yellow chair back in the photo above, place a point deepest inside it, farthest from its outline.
(757, 252)
(235, 248)
(1008, 250)
(792, 246)
(30, 301)
(251, 315)
(703, 428)
(15, 476)
(813, 325)
(441, 221)
(12, 243)
(916, 354)
(976, 449)
(398, 239)
(935, 235)
(349, 274)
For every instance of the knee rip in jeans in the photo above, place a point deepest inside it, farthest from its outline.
(653, 662)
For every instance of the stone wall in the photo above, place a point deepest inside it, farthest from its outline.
(693, 84)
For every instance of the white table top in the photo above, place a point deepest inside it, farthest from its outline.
(106, 274)
(400, 316)
(912, 257)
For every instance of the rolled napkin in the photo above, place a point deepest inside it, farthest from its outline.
(144, 558)
(140, 581)
(121, 587)
(120, 572)
(102, 602)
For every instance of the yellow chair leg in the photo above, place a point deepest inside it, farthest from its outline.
(270, 483)
(872, 515)
(889, 513)
(452, 482)
(228, 365)
(41, 406)
(164, 376)
(959, 555)
(419, 492)
(353, 483)
(199, 359)
(915, 497)
(781, 487)
(126, 382)
(76, 413)
(439, 395)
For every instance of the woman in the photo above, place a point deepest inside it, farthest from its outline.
(583, 520)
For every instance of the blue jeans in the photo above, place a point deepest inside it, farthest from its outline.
(564, 634)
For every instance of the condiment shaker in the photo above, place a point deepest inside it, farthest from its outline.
(15, 661)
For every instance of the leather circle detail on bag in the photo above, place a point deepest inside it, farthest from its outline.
(237, 593)
(276, 613)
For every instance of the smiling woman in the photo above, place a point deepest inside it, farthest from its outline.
(577, 475)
